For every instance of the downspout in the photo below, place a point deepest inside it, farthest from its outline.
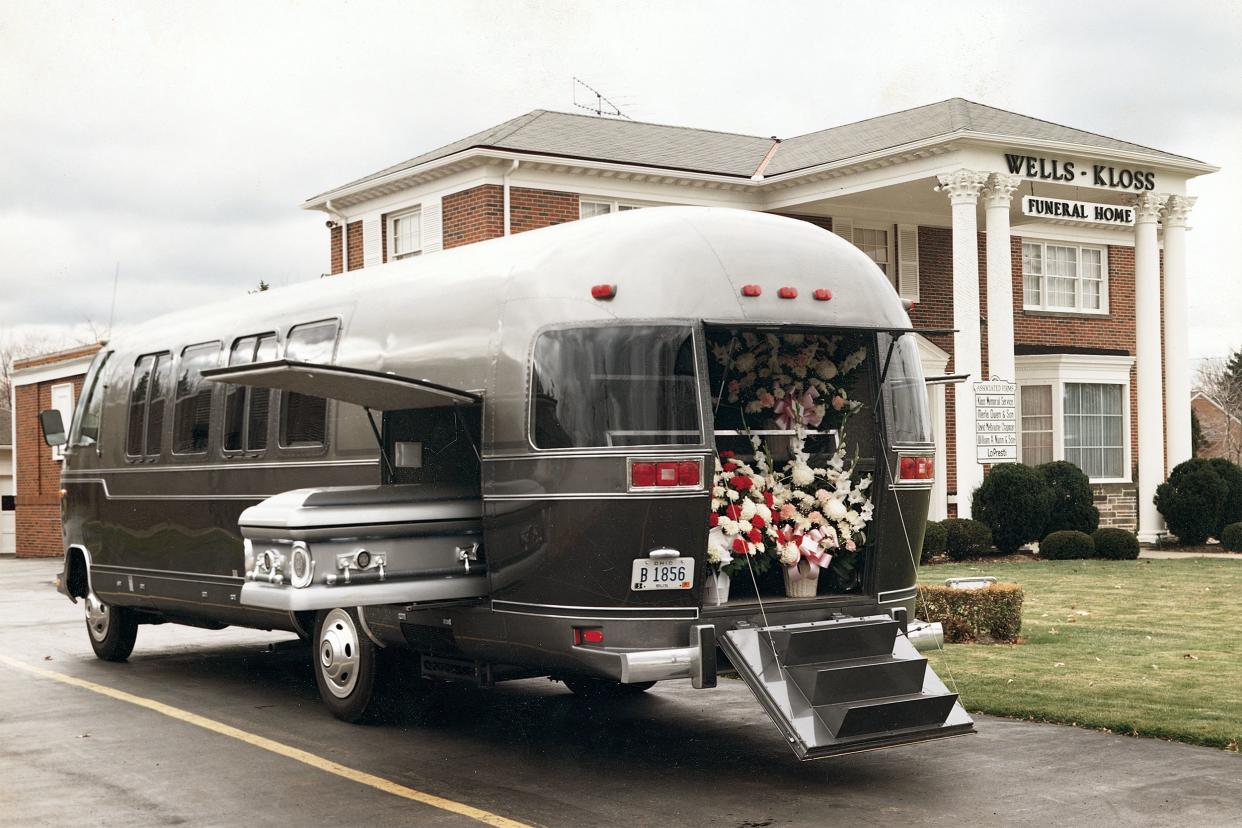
(512, 169)
(339, 219)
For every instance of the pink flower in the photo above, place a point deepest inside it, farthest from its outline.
(815, 517)
(822, 494)
(788, 510)
(838, 403)
(850, 545)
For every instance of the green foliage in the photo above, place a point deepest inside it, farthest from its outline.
(1231, 537)
(1013, 501)
(1191, 501)
(1231, 508)
(1072, 506)
(1197, 441)
(1066, 545)
(966, 538)
(1115, 544)
(934, 539)
(993, 613)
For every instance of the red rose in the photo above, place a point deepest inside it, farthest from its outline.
(741, 482)
(758, 522)
(739, 546)
(729, 466)
(769, 499)
(713, 519)
(733, 511)
(726, 454)
(755, 536)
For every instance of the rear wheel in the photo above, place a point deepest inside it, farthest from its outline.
(112, 630)
(345, 664)
(594, 688)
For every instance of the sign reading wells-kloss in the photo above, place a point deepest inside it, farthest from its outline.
(1095, 175)
(1060, 209)
(996, 422)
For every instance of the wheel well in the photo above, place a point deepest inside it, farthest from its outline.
(77, 578)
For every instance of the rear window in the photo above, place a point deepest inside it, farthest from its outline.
(905, 392)
(631, 385)
(304, 419)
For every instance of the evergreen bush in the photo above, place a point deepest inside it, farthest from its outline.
(965, 538)
(1231, 509)
(1115, 544)
(1231, 537)
(1065, 545)
(933, 541)
(1071, 505)
(1191, 501)
(1013, 501)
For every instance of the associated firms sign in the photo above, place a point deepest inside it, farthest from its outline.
(1061, 209)
(996, 422)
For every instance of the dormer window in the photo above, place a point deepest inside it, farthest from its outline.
(405, 234)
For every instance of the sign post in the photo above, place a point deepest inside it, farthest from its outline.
(996, 422)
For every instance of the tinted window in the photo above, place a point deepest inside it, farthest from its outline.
(246, 408)
(86, 432)
(139, 387)
(304, 419)
(192, 411)
(161, 381)
(616, 386)
(905, 392)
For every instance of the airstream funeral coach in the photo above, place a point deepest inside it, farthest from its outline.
(661, 444)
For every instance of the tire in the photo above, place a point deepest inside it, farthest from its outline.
(112, 630)
(345, 665)
(593, 688)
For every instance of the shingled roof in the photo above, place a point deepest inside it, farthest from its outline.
(674, 148)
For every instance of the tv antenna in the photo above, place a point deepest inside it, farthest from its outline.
(594, 101)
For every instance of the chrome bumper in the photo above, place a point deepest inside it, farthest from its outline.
(374, 593)
(696, 662)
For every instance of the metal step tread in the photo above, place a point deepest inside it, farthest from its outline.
(887, 713)
(837, 641)
(859, 680)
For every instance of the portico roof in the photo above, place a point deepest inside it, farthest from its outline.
(750, 157)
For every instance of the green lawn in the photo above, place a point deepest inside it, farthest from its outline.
(1149, 648)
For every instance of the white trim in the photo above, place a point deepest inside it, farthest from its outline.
(1044, 307)
(53, 371)
(1057, 370)
(615, 205)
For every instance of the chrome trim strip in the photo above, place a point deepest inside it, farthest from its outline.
(604, 613)
(203, 577)
(894, 595)
(108, 494)
(599, 495)
(645, 452)
(223, 464)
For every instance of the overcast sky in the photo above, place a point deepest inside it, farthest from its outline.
(176, 140)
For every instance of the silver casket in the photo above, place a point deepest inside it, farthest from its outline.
(311, 549)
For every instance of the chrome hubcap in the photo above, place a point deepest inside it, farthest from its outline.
(97, 617)
(338, 653)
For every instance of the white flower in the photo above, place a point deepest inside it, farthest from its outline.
(789, 554)
(835, 509)
(744, 363)
(801, 474)
(748, 509)
(825, 369)
(732, 494)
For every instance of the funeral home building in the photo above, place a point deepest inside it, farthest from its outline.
(1056, 255)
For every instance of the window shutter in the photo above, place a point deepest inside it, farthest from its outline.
(372, 255)
(908, 261)
(433, 236)
(843, 227)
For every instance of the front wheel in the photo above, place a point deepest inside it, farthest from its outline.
(593, 688)
(345, 664)
(112, 630)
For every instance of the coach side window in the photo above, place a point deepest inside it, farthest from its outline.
(148, 393)
(192, 411)
(303, 418)
(246, 408)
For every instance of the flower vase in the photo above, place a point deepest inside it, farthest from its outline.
(805, 586)
(716, 589)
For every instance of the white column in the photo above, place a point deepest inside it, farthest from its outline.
(996, 200)
(1147, 352)
(1176, 346)
(963, 187)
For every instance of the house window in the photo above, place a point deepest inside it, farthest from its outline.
(1094, 428)
(1063, 277)
(877, 243)
(1036, 408)
(405, 234)
(598, 207)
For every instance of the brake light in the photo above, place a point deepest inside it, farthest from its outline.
(650, 474)
(588, 635)
(788, 293)
(916, 467)
(751, 290)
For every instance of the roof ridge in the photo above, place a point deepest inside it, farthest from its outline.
(526, 120)
(653, 123)
(875, 118)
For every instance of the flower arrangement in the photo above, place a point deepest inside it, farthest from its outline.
(741, 517)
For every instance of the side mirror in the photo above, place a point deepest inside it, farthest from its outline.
(53, 427)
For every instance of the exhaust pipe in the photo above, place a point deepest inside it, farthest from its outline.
(925, 635)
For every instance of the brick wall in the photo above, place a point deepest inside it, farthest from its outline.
(533, 209)
(334, 244)
(473, 215)
(355, 245)
(37, 518)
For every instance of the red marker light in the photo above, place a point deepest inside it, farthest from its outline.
(588, 635)
(603, 291)
(688, 473)
(751, 290)
(823, 294)
(642, 474)
(788, 293)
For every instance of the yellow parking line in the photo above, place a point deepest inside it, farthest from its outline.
(326, 765)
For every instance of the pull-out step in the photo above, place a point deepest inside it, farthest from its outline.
(844, 685)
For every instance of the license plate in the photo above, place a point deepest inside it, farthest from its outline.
(672, 573)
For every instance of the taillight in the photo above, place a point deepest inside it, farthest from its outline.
(588, 635)
(916, 468)
(659, 474)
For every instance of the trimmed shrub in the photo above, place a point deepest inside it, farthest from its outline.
(1071, 504)
(1115, 544)
(1231, 537)
(965, 538)
(993, 613)
(1231, 509)
(1013, 501)
(1066, 545)
(933, 541)
(1191, 501)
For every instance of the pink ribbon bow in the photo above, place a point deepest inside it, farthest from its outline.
(808, 550)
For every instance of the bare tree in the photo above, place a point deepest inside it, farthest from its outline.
(1220, 381)
(19, 346)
